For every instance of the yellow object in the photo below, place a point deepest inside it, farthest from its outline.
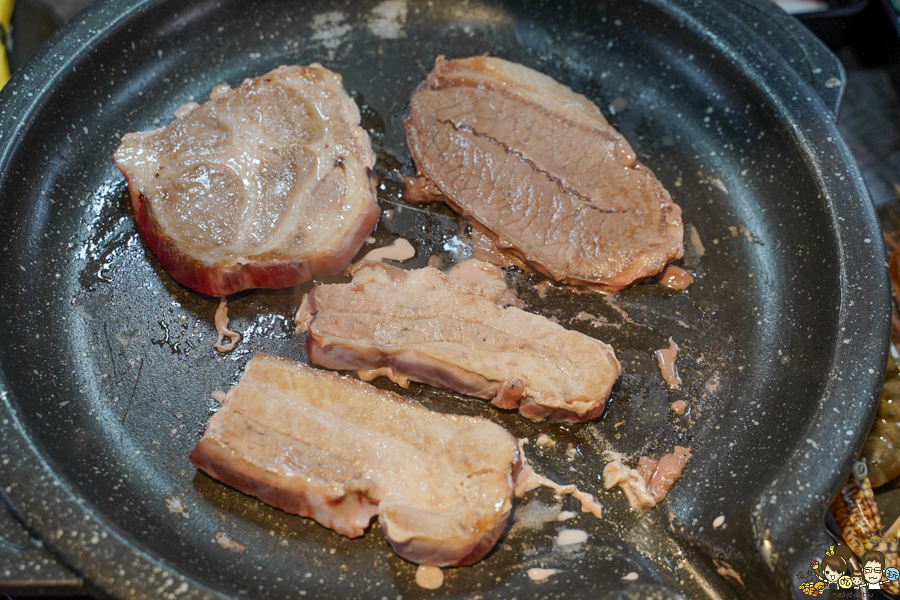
(6, 9)
(812, 588)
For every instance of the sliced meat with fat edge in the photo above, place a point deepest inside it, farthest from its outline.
(265, 185)
(423, 325)
(330, 447)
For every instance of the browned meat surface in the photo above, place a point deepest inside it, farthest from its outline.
(424, 326)
(264, 185)
(540, 168)
(321, 445)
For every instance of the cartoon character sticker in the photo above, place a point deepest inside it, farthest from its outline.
(812, 588)
(873, 569)
(834, 565)
(833, 573)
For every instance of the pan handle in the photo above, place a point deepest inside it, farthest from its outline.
(804, 52)
(26, 567)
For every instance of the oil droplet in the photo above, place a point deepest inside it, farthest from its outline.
(625, 153)
(541, 574)
(679, 407)
(567, 537)
(676, 278)
(429, 577)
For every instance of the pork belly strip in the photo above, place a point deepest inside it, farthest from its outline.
(265, 185)
(541, 169)
(424, 326)
(330, 447)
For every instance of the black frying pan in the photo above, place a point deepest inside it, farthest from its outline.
(107, 365)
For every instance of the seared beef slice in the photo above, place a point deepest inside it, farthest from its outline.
(265, 185)
(424, 326)
(539, 167)
(330, 447)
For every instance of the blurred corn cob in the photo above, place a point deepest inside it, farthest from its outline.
(6, 9)
(857, 515)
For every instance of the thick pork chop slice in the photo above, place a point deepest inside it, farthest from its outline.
(330, 447)
(265, 185)
(424, 326)
(539, 167)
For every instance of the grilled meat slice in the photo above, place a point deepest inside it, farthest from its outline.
(540, 168)
(265, 185)
(330, 447)
(423, 325)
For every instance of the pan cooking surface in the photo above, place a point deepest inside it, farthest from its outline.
(109, 364)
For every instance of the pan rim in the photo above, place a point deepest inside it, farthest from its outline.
(780, 528)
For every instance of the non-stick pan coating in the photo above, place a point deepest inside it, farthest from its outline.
(108, 366)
